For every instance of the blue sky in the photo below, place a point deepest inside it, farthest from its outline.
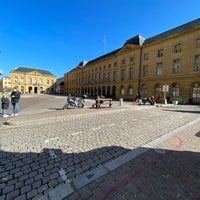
(56, 35)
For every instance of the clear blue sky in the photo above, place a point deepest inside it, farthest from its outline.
(56, 35)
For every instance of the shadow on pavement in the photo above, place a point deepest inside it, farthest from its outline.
(198, 134)
(185, 111)
(155, 174)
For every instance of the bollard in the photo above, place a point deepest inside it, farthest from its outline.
(121, 101)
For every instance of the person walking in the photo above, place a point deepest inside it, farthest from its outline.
(4, 104)
(15, 96)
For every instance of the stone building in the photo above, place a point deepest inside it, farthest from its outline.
(165, 65)
(5, 83)
(29, 80)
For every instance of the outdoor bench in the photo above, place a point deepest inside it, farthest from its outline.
(102, 101)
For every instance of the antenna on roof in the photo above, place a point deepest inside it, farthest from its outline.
(104, 41)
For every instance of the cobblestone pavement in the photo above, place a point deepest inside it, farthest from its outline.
(124, 152)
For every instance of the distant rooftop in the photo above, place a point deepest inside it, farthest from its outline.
(27, 70)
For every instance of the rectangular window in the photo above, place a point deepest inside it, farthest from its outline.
(104, 67)
(130, 91)
(104, 76)
(22, 80)
(197, 63)
(130, 73)
(176, 66)
(198, 43)
(160, 52)
(123, 74)
(159, 69)
(146, 56)
(100, 79)
(109, 66)
(177, 48)
(109, 76)
(175, 91)
(131, 59)
(95, 78)
(123, 61)
(145, 70)
(114, 75)
(115, 64)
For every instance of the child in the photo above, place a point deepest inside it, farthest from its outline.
(4, 104)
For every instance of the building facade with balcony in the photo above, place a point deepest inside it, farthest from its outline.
(166, 66)
(33, 81)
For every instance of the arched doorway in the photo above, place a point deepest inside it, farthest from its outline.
(35, 90)
(95, 91)
(30, 90)
(104, 91)
(108, 91)
(114, 91)
(99, 90)
(92, 92)
(158, 92)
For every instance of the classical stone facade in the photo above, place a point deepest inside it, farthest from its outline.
(5, 83)
(166, 65)
(29, 80)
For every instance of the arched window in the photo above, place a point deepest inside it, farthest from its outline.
(175, 90)
(122, 90)
(196, 93)
(130, 91)
(144, 91)
(158, 90)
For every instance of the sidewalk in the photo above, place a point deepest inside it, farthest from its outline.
(167, 168)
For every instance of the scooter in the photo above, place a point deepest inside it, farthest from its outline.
(73, 102)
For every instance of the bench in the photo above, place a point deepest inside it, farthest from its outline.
(102, 101)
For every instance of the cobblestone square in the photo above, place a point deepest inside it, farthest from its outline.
(50, 153)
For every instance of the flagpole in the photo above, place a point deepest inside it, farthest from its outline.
(104, 40)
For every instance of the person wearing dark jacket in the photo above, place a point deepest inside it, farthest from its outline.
(15, 96)
(4, 104)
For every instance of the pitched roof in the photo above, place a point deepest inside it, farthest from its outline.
(104, 56)
(179, 29)
(27, 70)
(136, 40)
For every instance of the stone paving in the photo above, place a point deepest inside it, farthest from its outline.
(48, 153)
